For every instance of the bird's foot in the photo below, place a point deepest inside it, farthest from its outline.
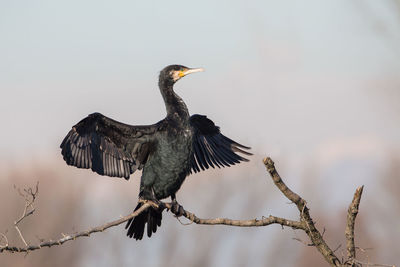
(177, 209)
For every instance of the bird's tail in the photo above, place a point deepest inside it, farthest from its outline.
(136, 225)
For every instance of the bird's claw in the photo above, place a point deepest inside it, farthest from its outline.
(159, 204)
(177, 209)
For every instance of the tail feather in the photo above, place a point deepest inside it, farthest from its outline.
(136, 225)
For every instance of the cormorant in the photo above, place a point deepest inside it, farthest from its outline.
(167, 151)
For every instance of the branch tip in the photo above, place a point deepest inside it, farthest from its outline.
(350, 223)
(269, 164)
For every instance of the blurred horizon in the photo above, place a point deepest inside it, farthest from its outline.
(315, 86)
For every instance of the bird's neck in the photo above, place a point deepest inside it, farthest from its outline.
(174, 104)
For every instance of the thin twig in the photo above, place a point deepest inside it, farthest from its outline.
(374, 264)
(3, 236)
(29, 196)
(304, 243)
(340, 245)
(20, 235)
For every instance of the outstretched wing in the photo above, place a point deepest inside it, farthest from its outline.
(108, 147)
(211, 147)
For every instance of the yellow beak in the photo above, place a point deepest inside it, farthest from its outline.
(189, 71)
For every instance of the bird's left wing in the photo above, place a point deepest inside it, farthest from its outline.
(108, 147)
(211, 147)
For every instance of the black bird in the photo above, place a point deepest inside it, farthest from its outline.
(167, 151)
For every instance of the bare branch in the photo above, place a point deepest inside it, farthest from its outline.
(29, 195)
(241, 223)
(305, 217)
(147, 204)
(66, 238)
(292, 196)
(351, 218)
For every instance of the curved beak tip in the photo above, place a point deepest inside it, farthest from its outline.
(189, 71)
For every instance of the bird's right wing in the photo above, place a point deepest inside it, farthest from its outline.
(108, 147)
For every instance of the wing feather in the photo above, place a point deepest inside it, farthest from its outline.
(211, 147)
(108, 147)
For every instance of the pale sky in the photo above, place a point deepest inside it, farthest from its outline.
(278, 76)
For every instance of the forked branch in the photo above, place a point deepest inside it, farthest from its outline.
(305, 217)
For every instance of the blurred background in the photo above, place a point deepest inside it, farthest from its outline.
(315, 85)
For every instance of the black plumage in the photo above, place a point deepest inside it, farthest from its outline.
(167, 151)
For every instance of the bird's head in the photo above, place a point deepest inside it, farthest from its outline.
(172, 73)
